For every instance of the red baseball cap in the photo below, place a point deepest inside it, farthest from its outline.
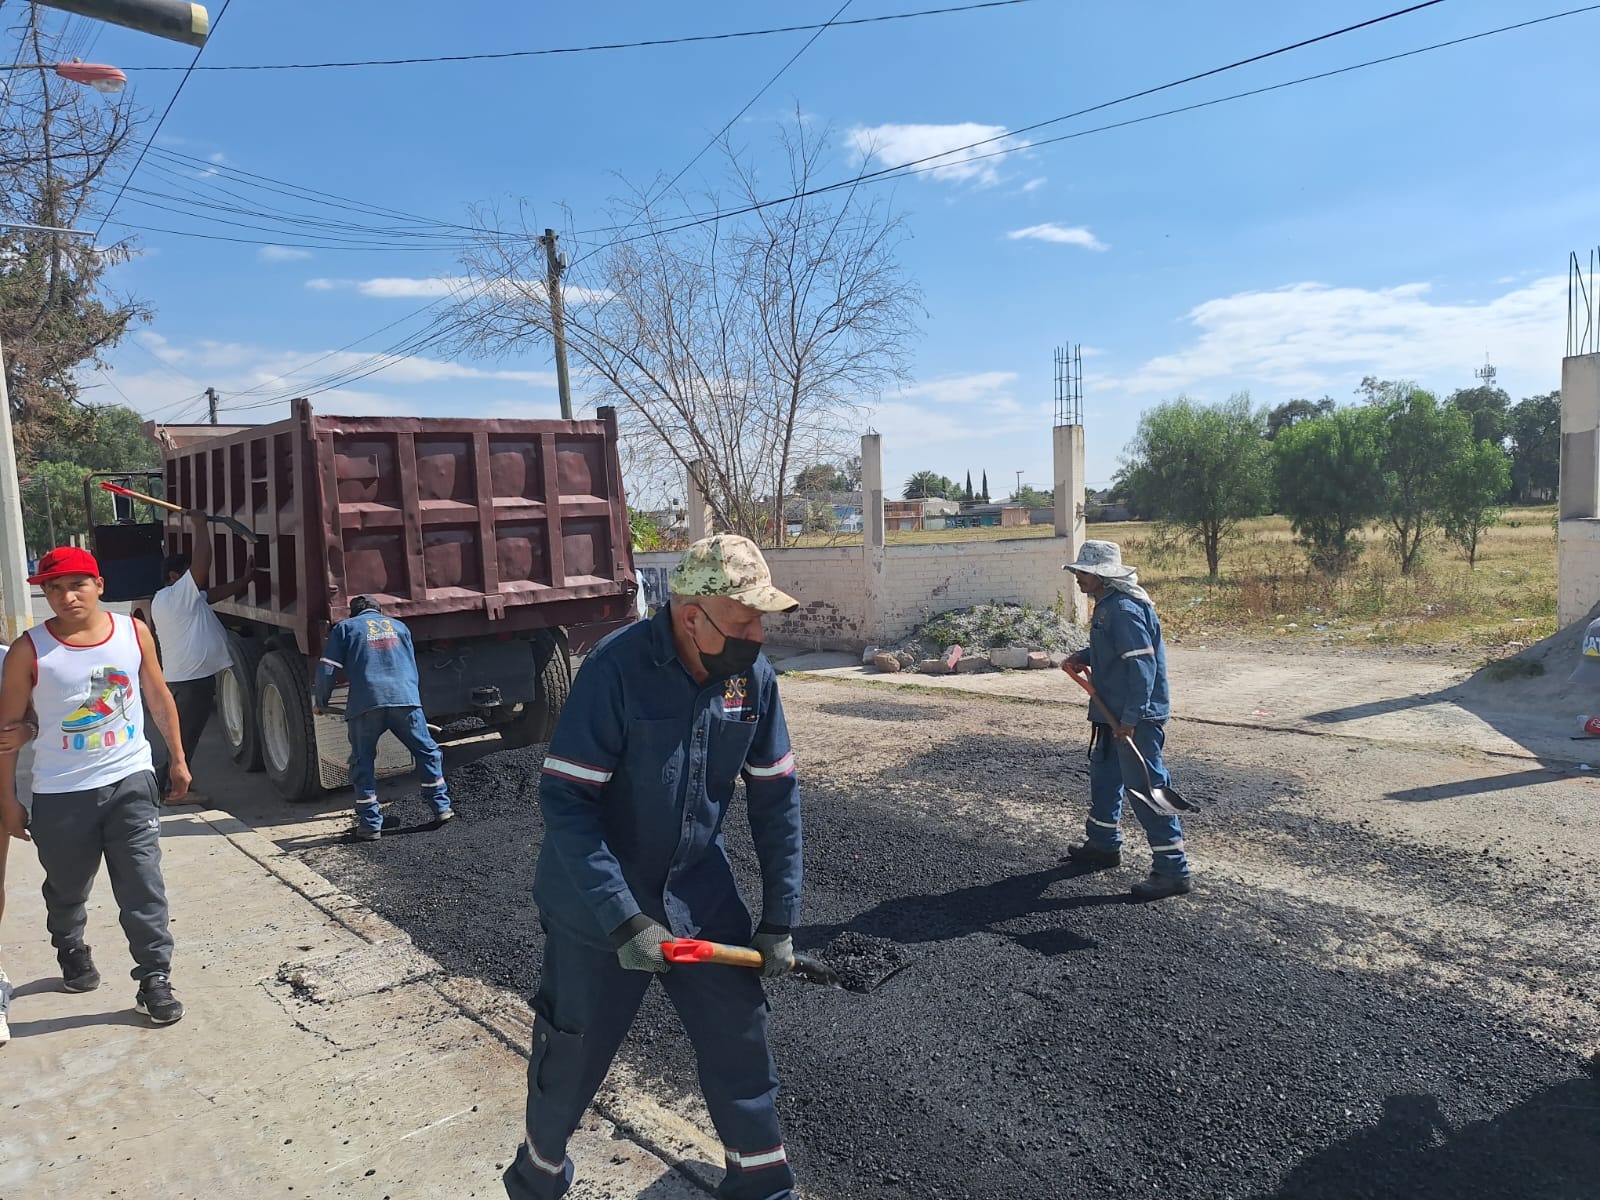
(64, 561)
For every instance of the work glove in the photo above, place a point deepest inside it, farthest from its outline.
(638, 942)
(777, 951)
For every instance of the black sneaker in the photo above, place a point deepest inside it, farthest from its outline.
(1081, 854)
(78, 973)
(157, 1002)
(1159, 887)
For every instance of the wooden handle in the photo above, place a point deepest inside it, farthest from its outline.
(694, 950)
(133, 495)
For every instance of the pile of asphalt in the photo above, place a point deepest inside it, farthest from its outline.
(1045, 1037)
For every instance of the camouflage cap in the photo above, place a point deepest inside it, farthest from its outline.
(732, 566)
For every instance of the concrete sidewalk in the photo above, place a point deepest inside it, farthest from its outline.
(322, 1054)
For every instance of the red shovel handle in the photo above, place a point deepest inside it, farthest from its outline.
(693, 950)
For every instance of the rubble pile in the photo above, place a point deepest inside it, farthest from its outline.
(985, 637)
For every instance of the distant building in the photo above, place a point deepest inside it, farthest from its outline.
(909, 516)
(974, 516)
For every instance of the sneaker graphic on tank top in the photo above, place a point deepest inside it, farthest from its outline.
(110, 693)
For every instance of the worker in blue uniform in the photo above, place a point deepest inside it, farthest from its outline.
(1127, 663)
(664, 718)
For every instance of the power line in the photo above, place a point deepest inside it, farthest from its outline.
(901, 168)
(164, 115)
(921, 165)
(653, 42)
(794, 58)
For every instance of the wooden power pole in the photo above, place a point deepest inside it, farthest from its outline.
(558, 325)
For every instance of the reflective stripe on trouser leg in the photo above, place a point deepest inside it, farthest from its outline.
(586, 1002)
(1165, 832)
(437, 796)
(369, 813)
(724, 1012)
(1103, 828)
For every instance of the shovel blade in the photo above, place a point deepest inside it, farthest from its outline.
(1165, 801)
(814, 970)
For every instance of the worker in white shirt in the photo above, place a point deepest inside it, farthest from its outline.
(194, 645)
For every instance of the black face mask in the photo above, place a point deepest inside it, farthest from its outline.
(736, 657)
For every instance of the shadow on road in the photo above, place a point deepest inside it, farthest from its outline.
(1551, 1141)
(982, 908)
(1477, 787)
(880, 710)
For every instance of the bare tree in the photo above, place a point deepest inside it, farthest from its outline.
(744, 344)
(57, 141)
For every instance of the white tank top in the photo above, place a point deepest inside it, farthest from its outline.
(91, 715)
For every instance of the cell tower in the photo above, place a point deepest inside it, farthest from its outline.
(1069, 385)
(1486, 373)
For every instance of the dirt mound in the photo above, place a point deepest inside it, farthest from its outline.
(1535, 679)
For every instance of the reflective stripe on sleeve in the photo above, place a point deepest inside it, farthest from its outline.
(1141, 652)
(784, 766)
(566, 768)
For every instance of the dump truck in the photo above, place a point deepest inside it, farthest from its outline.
(504, 545)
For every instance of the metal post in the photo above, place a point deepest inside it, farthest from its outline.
(874, 555)
(16, 615)
(558, 325)
(211, 403)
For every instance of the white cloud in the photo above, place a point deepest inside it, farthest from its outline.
(280, 254)
(982, 387)
(1034, 185)
(440, 286)
(1061, 235)
(896, 144)
(1310, 336)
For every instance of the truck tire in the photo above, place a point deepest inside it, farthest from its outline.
(537, 721)
(288, 739)
(236, 702)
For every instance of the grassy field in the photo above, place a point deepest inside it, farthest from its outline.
(1267, 591)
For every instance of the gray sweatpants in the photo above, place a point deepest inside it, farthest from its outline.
(122, 824)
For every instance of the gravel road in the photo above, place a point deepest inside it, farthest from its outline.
(1384, 988)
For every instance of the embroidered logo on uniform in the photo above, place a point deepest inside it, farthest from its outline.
(734, 698)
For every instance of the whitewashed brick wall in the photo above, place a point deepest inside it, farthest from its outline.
(920, 581)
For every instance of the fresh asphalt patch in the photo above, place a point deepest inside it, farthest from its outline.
(1042, 1036)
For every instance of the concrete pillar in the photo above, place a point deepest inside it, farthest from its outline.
(699, 511)
(1068, 445)
(1578, 547)
(874, 556)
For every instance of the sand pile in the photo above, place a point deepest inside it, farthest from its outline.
(1534, 680)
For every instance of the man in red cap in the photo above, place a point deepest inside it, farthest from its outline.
(89, 675)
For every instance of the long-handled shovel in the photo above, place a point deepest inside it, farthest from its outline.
(238, 527)
(1168, 801)
(693, 950)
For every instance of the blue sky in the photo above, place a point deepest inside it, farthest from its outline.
(1401, 221)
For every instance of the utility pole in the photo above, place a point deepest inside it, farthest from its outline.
(1019, 485)
(211, 403)
(558, 325)
(16, 601)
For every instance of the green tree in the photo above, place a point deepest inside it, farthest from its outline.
(52, 504)
(820, 477)
(820, 517)
(1032, 497)
(1535, 427)
(1203, 469)
(1292, 412)
(925, 484)
(984, 495)
(967, 495)
(644, 529)
(57, 316)
(1488, 408)
(108, 439)
(1329, 473)
(1423, 437)
(1472, 494)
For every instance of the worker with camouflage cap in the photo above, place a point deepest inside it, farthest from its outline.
(663, 720)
